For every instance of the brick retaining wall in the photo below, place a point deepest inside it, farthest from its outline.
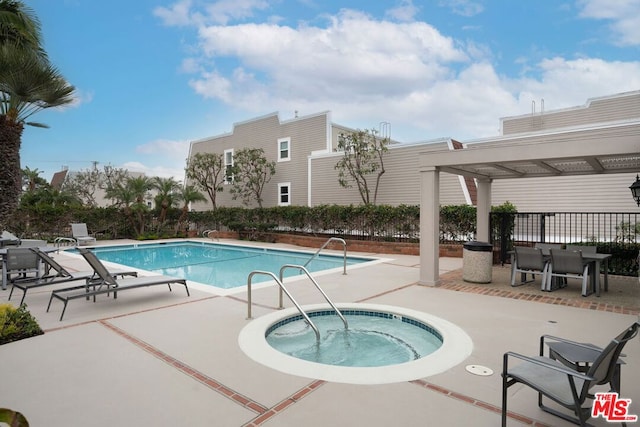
(446, 250)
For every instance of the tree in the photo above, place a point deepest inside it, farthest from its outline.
(363, 153)
(28, 84)
(251, 171)
(31, 180)
(206, 170)
(168, 195)
(84, 185)
(188, 195)
(49, 197)
(132, 197)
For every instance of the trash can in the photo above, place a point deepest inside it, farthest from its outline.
(477, 262)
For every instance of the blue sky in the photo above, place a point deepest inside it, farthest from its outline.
(153, 75)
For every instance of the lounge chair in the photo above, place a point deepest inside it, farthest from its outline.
(104, 283)
(9, 239)
(81, 235)
(529, 261)
(57, 274)
(564, 385)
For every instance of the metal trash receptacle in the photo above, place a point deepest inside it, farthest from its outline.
(477, 262)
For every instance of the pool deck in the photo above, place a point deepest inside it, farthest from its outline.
(160, 358)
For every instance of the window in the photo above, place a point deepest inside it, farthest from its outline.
(228, 164)
(284, 194)
(284, 149)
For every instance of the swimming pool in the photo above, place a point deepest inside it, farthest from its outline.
(216, 264)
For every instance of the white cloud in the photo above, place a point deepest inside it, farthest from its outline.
(223, 11)
(463, 7)
(367, 71)
(176, 173)
(163, 147)
(405, 12)
(623, 14)
(566, 83)
(167, 156)
(176, 15)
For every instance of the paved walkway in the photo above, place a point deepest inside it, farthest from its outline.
(154, 357)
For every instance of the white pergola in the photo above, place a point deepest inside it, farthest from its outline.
(586, 151)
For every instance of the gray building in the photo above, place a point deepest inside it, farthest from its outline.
(305, 152)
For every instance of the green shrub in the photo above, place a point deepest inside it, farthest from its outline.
(17, 324)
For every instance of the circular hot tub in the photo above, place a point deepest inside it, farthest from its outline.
(383, 344)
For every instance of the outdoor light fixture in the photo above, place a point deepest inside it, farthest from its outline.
(635, 190)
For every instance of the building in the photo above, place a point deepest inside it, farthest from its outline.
(305, 152)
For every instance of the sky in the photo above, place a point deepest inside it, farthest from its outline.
(153, 75)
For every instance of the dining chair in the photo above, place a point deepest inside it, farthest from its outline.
(529, 261)
(569, 265)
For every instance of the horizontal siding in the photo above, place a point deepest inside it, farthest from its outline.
(621, 107)
(400, 183)
(586, 193)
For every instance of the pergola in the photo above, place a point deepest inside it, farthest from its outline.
(585, 151)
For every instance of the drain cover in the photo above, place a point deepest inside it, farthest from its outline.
(479, 370)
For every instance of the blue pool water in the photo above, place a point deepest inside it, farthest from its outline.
(372, 339)
(224, 266)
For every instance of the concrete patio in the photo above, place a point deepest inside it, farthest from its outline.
(154, 357)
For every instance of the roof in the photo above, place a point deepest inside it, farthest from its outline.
(58, 179)
(603, 150)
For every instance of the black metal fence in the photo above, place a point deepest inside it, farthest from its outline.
(614, 233)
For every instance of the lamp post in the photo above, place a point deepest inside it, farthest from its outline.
(635, 190)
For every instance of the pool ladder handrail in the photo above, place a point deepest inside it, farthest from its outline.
(331, 239)
(282, 288)
(326, 297)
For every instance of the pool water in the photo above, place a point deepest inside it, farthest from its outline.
(372, 339)
(220, 265)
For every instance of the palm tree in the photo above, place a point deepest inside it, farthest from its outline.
(168, 195)
(28, 84)
(32, 179)
(139, 188)
(123, 198)
(20, 26)
(188, 195)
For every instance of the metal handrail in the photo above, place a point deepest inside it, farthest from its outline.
(335, 239)
(282, 288)
(300, 267)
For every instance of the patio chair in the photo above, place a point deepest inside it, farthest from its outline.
(22, 264)
(9, 239)
(81, 235)
(580, 356)
(104, 283)
(565, 386)
(568, 265)
(529, 261)
(57, 274)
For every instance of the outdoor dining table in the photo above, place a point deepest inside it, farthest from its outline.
(596, 259)
(3, 254)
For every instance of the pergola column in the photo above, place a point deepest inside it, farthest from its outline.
(483, 209)
(429, 226)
